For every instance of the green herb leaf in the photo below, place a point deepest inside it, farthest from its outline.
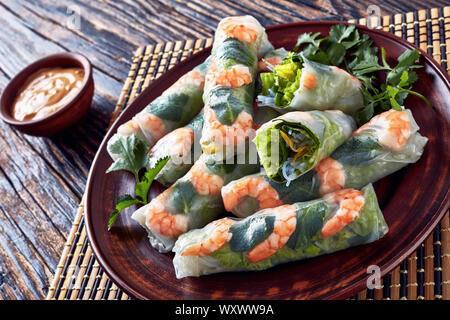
(336, 53)
(141, 188)
(405, 62)
(340, 32)
(122, 202)
(310, 216)
(347, 49)
(246, 234)
(226, 104)
(308, 38)
(133, 152)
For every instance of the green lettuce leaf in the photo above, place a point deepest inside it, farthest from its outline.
(283, 82)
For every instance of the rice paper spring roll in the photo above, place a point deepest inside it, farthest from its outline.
(286, 233)
(230, 85)
(292, 144)
(182, 146)
(300, 84)
(173, 109)
(192, 201)
(387, 143)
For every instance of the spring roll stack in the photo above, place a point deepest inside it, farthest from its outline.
(286, 233)
(182, 145)
(387, 143)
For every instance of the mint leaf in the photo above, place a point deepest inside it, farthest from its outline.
(133, 152)
(141, 188)
(246, 234)
(122, 202)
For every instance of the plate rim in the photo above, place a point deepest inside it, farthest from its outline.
(351, 289)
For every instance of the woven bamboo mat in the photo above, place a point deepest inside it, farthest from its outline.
(424, 275)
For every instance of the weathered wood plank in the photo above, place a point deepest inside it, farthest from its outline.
(24, 271)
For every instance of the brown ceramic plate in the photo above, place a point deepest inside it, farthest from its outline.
(413, 201)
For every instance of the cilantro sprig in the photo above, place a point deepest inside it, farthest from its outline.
(133, 157)
(345, 47)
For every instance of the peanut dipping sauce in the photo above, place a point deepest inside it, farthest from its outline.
(46, 91)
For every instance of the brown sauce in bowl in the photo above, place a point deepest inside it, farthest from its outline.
(46, 91)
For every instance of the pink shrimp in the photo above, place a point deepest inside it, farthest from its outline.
(178, 142)
(308, 79)
(218, 236)
(331, 175)
(193, 77)
(263, 63)
(350, 75)
(236, 76)
(218, 133)
(163, 222)
(394, 127)
(203, 182)
(151, 125)
(239, 28)
(254, 187)
(128, 128)
(351, 202)
(285, 224)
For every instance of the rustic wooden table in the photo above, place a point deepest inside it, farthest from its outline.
(42, 180)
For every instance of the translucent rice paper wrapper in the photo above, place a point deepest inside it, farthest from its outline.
(364, 158)
(182, 146)
(271, 59)
(306, 241)
(157, 241)
(230, 84)
(335, 89)
(176, 106)
(194, 200)
(320, 132)
(262, 45)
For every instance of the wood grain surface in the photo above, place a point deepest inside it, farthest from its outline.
(41, 179)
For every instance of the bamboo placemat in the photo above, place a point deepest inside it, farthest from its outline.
(424, 275)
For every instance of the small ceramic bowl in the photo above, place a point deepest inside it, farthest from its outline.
(65, 117)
